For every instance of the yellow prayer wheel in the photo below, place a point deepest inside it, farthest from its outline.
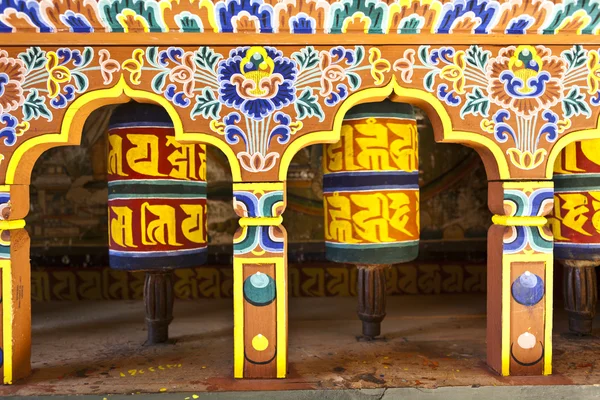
(576, 228)
(371, 199)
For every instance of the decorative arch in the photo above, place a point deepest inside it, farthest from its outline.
(71, 127)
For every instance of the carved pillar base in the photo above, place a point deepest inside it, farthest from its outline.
(371, 298)
(158, 297)
(580, 294)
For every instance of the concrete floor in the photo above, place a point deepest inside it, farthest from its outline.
(431, 342)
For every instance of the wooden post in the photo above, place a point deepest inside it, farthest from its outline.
(260, 281)
(519, 298)
(580, 294)
(158, 298)
(15, 284)
(371, 298)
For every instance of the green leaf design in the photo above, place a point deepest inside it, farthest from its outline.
(476, 57)
(574, 104)
(86, 57)
(307, 105)
(207, 105)
(306, 58)
(152, 56)
(359, 53)
(206, 58)
(424, 55)
(158, 83)
(81, 81)
(477, 103)
(429, 80)
(34, 58)
(354, 80)
(35, 107)
(576, 56)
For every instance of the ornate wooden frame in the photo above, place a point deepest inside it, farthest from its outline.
(517, 80)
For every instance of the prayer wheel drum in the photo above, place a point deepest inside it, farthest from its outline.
(576, 228)
(156, 203)
(371, 199)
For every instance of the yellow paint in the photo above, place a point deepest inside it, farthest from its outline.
(7, 314)
(549, 287)
(262, 221)
(260, 343)
(506, 296)
(255, 186)
(238, 317)
(282, 315)
(120, 93)
(519, 221)
(13, 224)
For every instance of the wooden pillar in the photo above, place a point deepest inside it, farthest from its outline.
(158, 296)
(157, 205)
(577, 230)
(371, 200)
(580, 294)
(519, 302)
(371, 298)
(260, 281)
(15, 284)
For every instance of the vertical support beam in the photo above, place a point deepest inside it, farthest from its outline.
(159, 299)
(580, 294)
(260, 281)
(520, 267)
(371, 298)
(15, 278)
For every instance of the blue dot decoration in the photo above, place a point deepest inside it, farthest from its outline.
(259, 289)
(528, 289)
(1, 357)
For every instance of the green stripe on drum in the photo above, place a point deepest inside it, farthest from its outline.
(372, 253)
(576, 182)
(146, 188)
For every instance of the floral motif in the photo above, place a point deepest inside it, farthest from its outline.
(12, 76)
(526, 79)
(108, 66)
(257, 81)
(134, 66)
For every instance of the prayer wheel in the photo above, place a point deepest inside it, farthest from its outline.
(371, 199)
(157, 205)
(576, 226)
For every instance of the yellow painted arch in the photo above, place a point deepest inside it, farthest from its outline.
(408, 95)
(81, 108)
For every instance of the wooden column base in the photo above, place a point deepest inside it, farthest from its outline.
(371, 299)
(158, 297)
(580, 294)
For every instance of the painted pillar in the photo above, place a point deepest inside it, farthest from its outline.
(519, 289)
(371, 199)
(157, 205)
(576, 228)
(15, 284)
(260, 281)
